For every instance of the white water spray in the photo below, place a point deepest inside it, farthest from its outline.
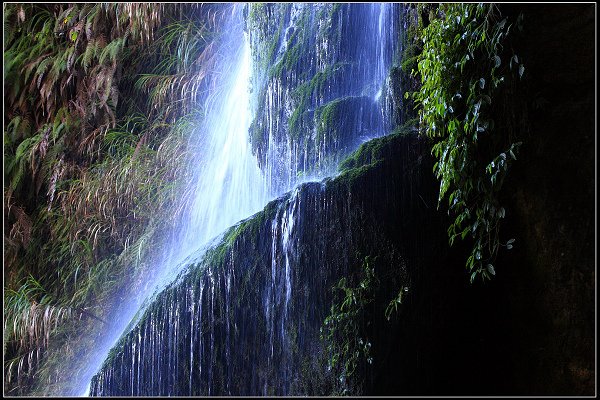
(227, 183)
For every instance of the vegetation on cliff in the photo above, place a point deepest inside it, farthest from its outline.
(468, 70)
(99, 102)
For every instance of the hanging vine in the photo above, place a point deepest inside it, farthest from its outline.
(465, 64)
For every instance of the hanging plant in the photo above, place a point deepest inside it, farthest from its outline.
(465, 63)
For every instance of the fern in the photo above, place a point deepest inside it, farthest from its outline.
(111, 51)
(30, 316)
(52, 157)
(106, 188)
(89, 54)
(41, 69)
(18, 127)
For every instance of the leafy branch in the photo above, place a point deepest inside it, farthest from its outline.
(343, 329)
(465, 63)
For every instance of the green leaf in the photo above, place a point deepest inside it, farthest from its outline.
(497, 61)
(465, 232)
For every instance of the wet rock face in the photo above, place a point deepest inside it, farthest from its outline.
(306, 57)
(246, 319)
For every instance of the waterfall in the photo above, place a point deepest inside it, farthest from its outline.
(191, 338)
(226, 183)
(343, 54)
(230, 185)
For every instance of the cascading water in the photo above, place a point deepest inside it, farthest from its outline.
(226, 181)
(200, 336)
(230, 186)
(323, 96)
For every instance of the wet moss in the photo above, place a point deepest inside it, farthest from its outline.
(314, 68)
(309, 93)
(265, 24)
(376, 149)
(297, 48)
(236, 277)
(329, 118)
(351, 175)
(272, 48)
(256, 11)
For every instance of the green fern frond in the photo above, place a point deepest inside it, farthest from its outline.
(111, 51)
(41, 69)
(89, 53)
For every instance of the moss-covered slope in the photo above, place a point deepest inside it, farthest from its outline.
(249, 314)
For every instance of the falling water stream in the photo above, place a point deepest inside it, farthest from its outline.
(182, 340)
(226, 181)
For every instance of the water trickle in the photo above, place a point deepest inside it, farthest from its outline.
(270, 299)
(192, 304)
(212, 331)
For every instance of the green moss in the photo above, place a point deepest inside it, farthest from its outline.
(374, 150)
(307, 91)
(328, 12)
(327, 118)
(256, 133)
(332, 118)
(249, 229)
(290, 58)
(273, 46)
(411, 44)
(298, 47)
(216, 255)
(255, 11)
(294, 122)
(287, 70)
(348, 177)
(329, 29)
(410, 127)
(264, 20)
